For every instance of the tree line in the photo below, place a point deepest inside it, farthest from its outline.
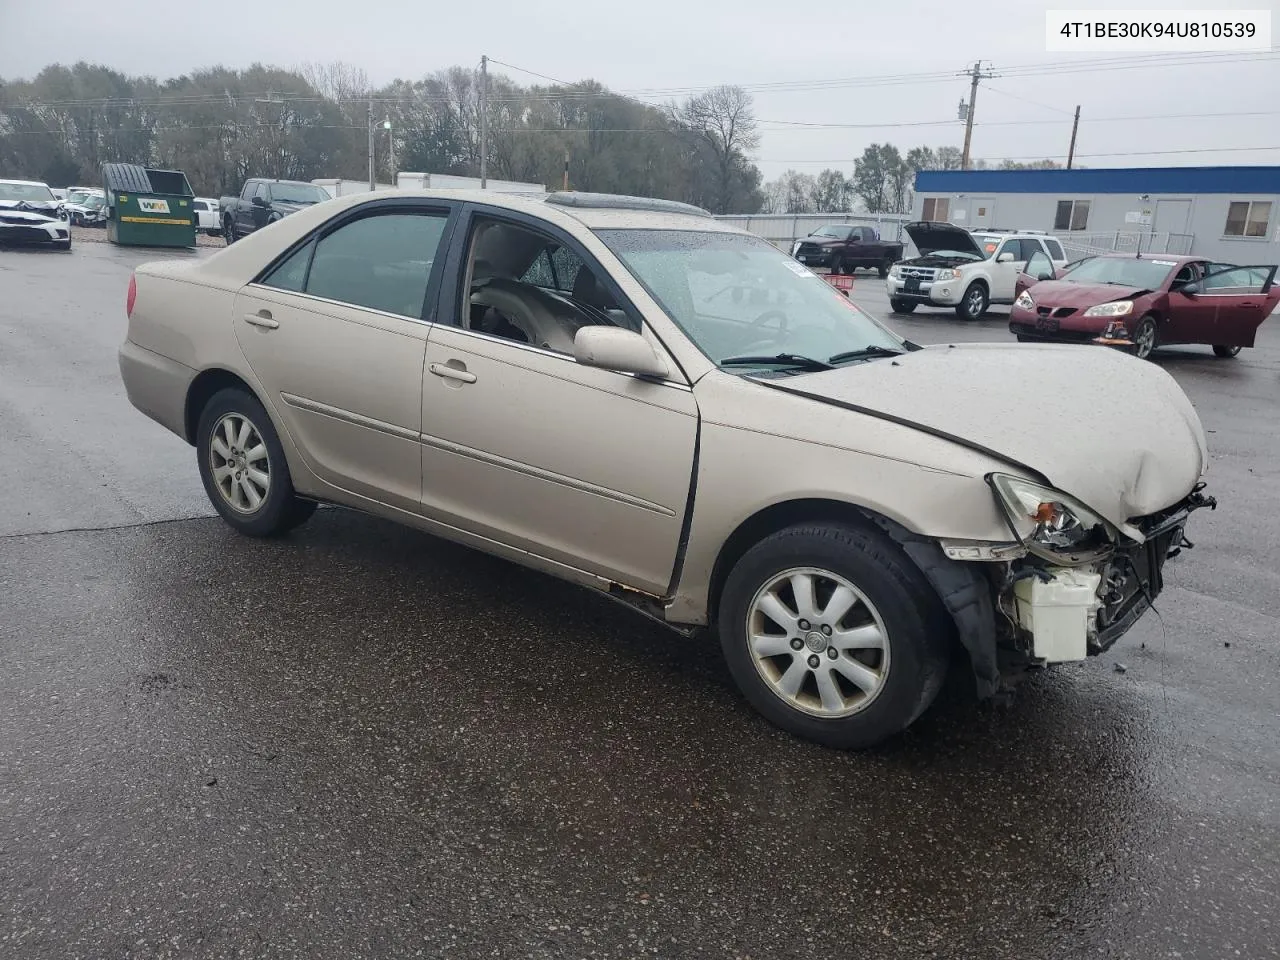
(882, 181)
(221, 126)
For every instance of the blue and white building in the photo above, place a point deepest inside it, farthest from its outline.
(1230, 214)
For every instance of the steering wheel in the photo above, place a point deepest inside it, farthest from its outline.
(768, 315)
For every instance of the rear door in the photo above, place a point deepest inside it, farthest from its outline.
(1241, 297)
(336, 332)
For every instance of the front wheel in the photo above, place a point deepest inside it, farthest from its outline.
(228, 232)
(1222, 350)
(885, 268)
(243, 467)
(833, 634)
(974, 303)
(1145, 337)
(903, 306)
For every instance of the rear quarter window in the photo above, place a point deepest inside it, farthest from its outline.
(1055, 249)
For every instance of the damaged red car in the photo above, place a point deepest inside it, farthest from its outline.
(1142, 302)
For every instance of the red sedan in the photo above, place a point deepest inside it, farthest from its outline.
(1141, 302)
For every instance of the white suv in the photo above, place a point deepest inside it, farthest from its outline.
(964, 270)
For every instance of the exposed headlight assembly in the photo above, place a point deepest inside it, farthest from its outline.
(1024, 301)
(1052, 524)
(896, 272)
(1117, 308)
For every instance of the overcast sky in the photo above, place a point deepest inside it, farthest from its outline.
(661, 45)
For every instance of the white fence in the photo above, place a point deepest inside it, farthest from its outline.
(782, 229)
(1126, 241)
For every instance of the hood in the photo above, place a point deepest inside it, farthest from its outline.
(929, 236)
(15, 217)
(49, 207)
(289, 206)
(1115, 432)
(1063, 293)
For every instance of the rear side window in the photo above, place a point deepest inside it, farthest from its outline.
(382, 262)
(292, 274)
(199, 205)
(1055, 249)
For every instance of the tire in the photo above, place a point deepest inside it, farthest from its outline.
(229, 231)
(279, 509)
(1023, 338)
(884, 269)
(903, 306)
(1143, 342)
(974, 303)
(1222, 350)
(896, 683)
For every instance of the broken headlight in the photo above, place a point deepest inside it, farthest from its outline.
(1052, 524)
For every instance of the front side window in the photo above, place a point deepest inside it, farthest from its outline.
(1248, 218)
(1071, 215)
(382, 262)
(738, 296)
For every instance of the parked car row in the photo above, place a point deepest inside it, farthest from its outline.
(29, 215)
(1135, 302)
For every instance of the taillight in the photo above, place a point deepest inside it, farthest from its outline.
(133, 295)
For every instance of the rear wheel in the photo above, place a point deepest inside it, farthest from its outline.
(974, 303)
(885, 268)
(833, 635)
(243, 467)
(1222, 350)
(1145, 337)
(903, 306)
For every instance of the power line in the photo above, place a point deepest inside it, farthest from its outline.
(1131, 153)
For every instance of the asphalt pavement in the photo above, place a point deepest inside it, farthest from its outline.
(363, 742)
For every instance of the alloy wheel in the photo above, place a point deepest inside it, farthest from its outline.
(1144, 338)
(239, 463)
(818, 642)
(975, 302)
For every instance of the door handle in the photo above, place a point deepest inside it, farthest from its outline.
(452, 373)
(1248, 303)
(262, 319)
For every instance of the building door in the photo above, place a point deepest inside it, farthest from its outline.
(1172, 216)
(980, 212)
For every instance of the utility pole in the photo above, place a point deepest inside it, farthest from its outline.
(1075, 125)
(372, 182)
(566, 169)
(391, 150)
(975, 75)
(484, 122)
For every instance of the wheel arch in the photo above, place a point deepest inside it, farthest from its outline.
(963, 590)
(201, 390)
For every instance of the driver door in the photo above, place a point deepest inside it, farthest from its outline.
(1190, 316)
(1004, 276)
(1241, 297)
(523, 445)
(1038, 267)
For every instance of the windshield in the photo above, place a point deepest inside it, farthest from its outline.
(1125, 271)
(739, 296)
(298, 193)
(838, 232)
(79, 196)
(36, 192)
(987, 245)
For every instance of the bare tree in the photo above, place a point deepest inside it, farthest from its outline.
(724, 122)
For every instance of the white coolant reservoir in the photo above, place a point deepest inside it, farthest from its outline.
(1057, 614)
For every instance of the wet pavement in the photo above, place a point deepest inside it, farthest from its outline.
(364, 742)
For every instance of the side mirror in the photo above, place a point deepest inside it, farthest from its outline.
(1005, 258)
(259, 201)
(1192, 288)
(613, 348)
(1045, 275)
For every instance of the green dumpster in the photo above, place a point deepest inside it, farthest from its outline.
(148, 208)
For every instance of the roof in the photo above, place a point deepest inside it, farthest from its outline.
(1134, 180)
(27, 183)
(131, 178)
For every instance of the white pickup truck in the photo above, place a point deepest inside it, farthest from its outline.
(965, 270)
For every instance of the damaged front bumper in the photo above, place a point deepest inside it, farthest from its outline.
(1056, 614)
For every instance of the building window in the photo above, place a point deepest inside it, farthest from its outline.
(1072, 215)
(1247, 218)
(937, 209)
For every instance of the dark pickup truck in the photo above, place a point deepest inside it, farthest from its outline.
(843, 248)
(265, 201)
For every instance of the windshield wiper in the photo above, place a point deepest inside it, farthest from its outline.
(865, 353)
(789, 359)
